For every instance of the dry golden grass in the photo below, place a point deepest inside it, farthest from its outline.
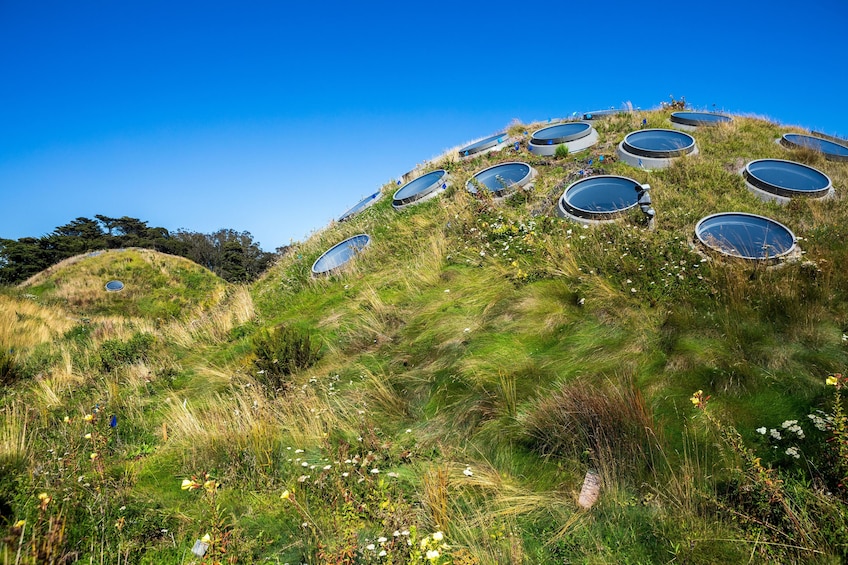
(24, 323)
(14, 436)
(213, 325)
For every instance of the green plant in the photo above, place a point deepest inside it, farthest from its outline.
(281, 352)
(561, 151)
(114, 353)
(9, 371)
(839, 428)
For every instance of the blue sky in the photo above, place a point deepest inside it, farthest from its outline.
(274, 117)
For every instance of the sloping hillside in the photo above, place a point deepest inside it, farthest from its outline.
(443, 397)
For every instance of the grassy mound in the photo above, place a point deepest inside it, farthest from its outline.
(156, 285)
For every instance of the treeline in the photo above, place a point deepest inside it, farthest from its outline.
(232, 255)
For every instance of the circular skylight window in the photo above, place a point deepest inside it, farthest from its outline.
(695, 119)
(502, 179)
(832, 151)
(492, 143)
(600, 198)
(745, 236)
(602, 113)
(655, 148)
(786, 179)
(114, 286)
(421, 189)
(576, 136)
(338, 255)
(362, 205)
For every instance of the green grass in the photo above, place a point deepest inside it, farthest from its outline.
(482, 357)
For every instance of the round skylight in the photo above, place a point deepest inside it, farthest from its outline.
(695, 119)
(114, 286)
(785, 179)
(421, 189)
(502, 179)
(362, 205)
(602, 113)
(655, 148)
(338, 255)
(493, 143)
(832, 151)
(745, 236)
(576, 136)
(601, 197)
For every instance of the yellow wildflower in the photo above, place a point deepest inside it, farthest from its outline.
(696, 398)
(42, 496)
(88, 417)
(831, 380)
(286, 495)
(189, 484)
(20, 524)
(93, 455)
(210, 485)
(66, 419)
(88, 435)
(206, 539)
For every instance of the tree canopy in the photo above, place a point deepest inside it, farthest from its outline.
(232, 255)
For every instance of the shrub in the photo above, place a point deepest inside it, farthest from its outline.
(561, 151)
(9, 372)
(114, 353)
(281, 352)
(613, 427)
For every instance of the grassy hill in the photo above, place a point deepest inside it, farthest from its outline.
(443, 398)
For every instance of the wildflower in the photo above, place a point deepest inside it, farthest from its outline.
(382, 553)
(409, 430)
(20, 524)
(432, 554)
(821, 423)
(382, 539)
(762, 430)
(699, 400)
(467, 472)
(438, 536)
(189, 484)
(396, 533)
(345, 474)
(327, 467)
(88, 417)
(210, 485)
(286, 495)
(775, 434)
(43, 497)
(88, 435)
(302, 478)
(206, 538)
(66, 419)
(93, 455)
(832, 380)
(375, 470)
(393, 475)
(793, 451)
(370, 547)
(298, 451)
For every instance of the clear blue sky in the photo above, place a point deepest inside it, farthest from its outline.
(274, 117)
